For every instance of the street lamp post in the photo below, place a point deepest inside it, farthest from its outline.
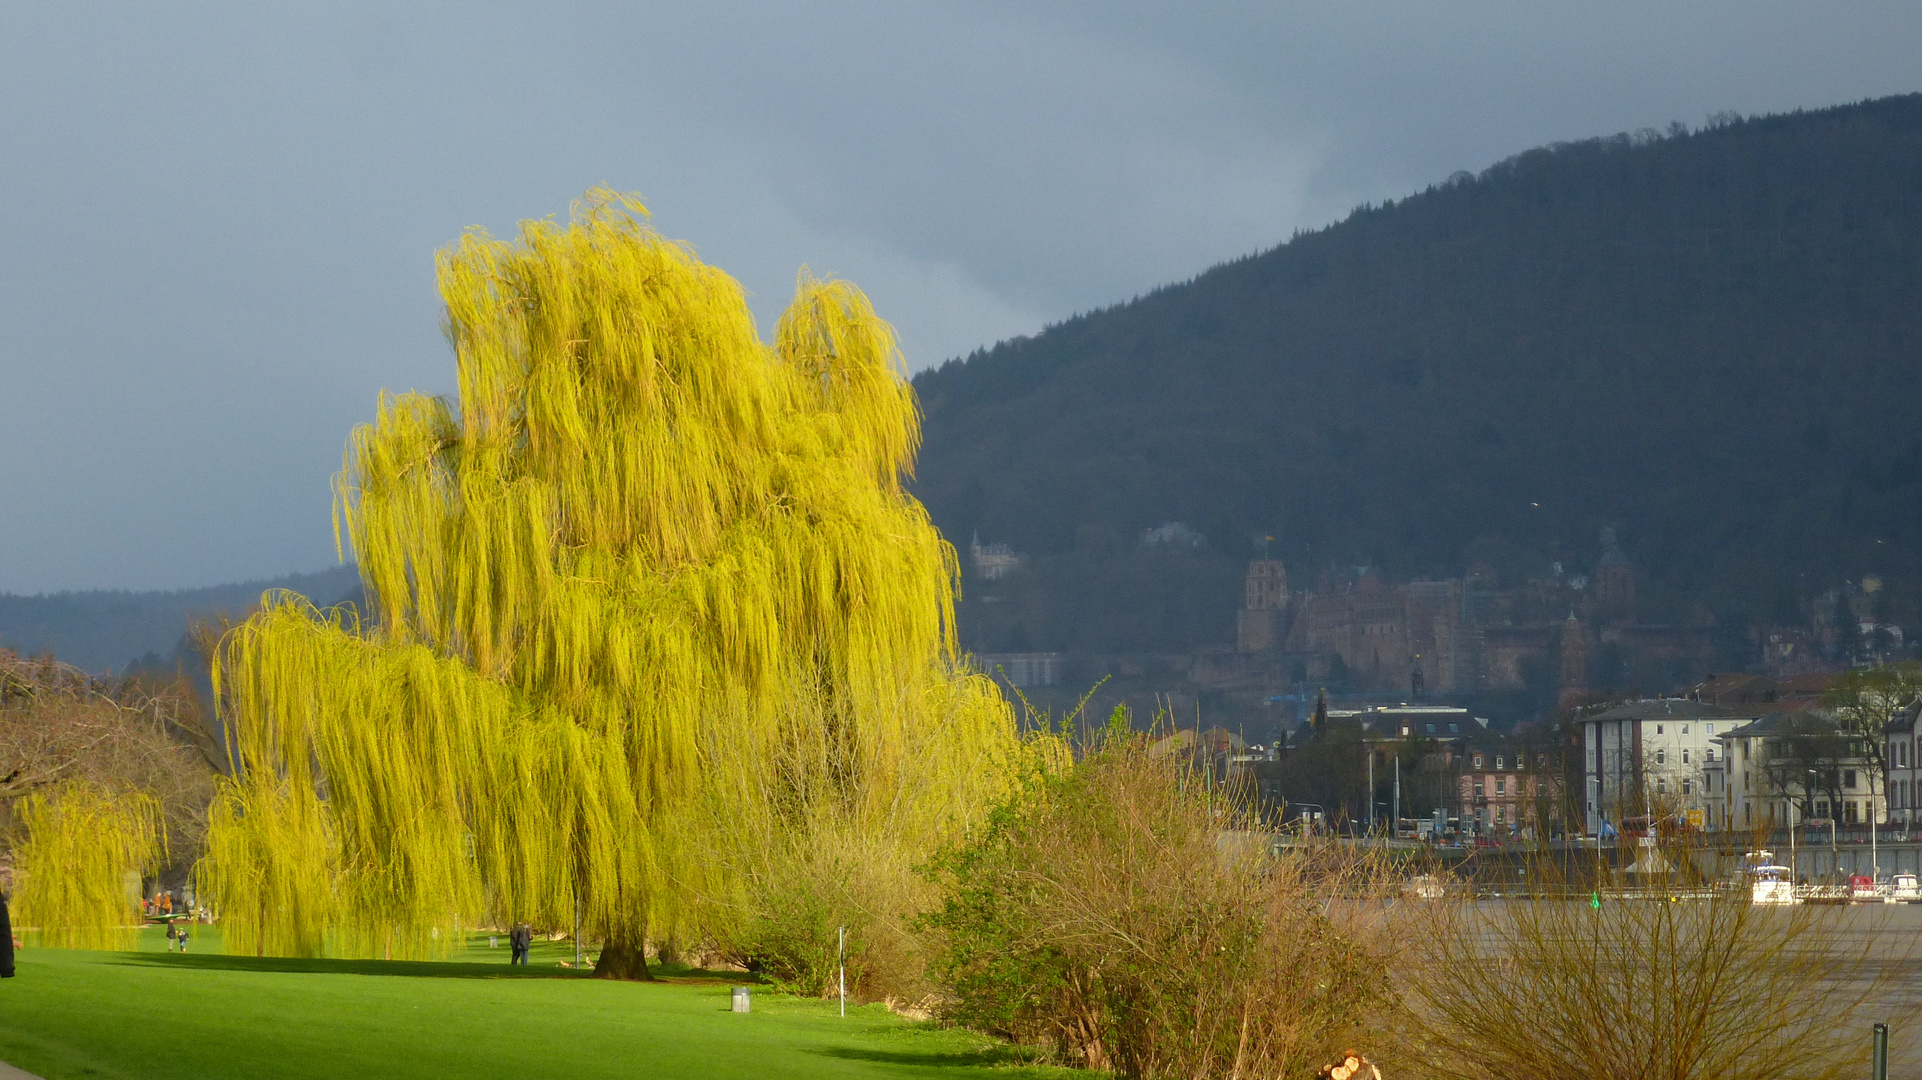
(1808, 793)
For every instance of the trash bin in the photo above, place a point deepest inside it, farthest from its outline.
(740, 1001)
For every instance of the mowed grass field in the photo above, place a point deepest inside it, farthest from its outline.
(156, 1014)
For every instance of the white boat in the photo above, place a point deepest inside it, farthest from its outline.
(1771, 884)
(1904, 889)
(1424, 887)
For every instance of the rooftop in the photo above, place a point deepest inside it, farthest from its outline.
(1664, 709)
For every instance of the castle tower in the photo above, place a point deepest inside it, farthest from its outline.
(1267, 585)
(1614, 582)
(1258, 626)
(1574, 661)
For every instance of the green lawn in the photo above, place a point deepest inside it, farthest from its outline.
(158, 1014)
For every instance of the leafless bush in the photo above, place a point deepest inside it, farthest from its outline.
(1615, 988)
(1125, 916)
(58, 724)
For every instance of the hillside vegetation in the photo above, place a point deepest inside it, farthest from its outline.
(1706, 339)
(103, 631)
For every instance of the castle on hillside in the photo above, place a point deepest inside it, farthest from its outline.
(992, 561)
(1464, 635)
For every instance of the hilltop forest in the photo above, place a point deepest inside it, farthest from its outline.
(1705, 339)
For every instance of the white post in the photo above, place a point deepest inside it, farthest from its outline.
(1394, 827)
(841, 957)
(1371, 791)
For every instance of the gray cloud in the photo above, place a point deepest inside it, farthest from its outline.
(217, 221)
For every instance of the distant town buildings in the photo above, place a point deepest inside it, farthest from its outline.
(1796, 767)
(1022, 670)
(1506, 786)
(1656, 757)
(1563, 633)
(1174, 534)
(991, 561)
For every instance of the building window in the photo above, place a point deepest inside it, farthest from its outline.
(1710, 753)
(1684, 729)
(1478, 761)
(1684, 755)
(1658, 729)
(1686, 786)
(1501, 786)
(1431, 729)
(1661, 757)
(1848, 811)
(1478, 788)
(1661, 786)
(1498, 761)
(1709, 728)
(1848, 779)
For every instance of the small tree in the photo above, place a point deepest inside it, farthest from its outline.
(1865, 702)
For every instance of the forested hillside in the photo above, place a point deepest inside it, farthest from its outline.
(1706, 339)
(106, 631)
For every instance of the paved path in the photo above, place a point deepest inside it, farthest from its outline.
(8, 1072)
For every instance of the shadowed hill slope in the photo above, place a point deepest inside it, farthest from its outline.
(1708, 340)
(109, 630)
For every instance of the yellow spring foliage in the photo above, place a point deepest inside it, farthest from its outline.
(652, 597)
(81, 847)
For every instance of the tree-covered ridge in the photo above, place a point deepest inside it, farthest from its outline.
(1706, 339)
(102, 630)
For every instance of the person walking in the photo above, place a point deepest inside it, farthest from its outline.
(520, 939)
(6, 940)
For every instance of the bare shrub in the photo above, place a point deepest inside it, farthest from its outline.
(1616, 987)
(59, 726)
(1123, 915)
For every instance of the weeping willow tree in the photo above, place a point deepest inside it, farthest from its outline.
(81, 846)
(650, 603)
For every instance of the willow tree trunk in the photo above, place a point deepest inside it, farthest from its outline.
(624, 957)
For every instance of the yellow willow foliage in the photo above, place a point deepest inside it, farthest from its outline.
(82, 846)
(653, 595)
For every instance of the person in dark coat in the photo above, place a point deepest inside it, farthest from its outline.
(6, 940)
(521, 939)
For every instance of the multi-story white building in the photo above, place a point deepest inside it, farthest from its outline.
(1904, 741)
(1788, 768)
(1658, 754)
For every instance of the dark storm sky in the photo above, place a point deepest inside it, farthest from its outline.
(217, 222)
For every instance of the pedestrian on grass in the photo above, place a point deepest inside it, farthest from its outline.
(520, 938)
(6, 940)
(171, 932)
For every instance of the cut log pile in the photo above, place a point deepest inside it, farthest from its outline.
(1352, 1066)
